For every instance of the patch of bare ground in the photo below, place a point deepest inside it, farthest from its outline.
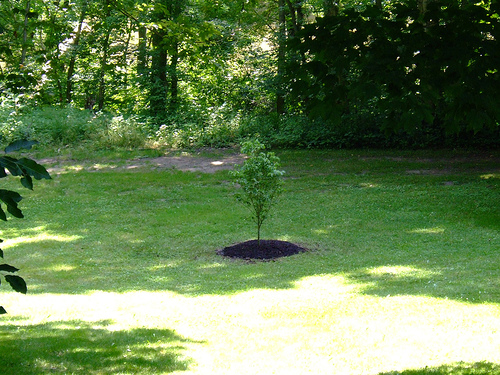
(181, 163)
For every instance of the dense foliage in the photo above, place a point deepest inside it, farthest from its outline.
(308, 73)
(416, 69)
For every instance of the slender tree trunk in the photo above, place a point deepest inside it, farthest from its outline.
(74, 53)
(158, 90)
(280, 99)
(125, 52)
(142, 59)
(293, 16)
(104, 61)
(174, 78)
(25, 33)
(102, 74)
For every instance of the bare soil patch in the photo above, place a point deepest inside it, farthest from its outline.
(182, 163)
(189, 163)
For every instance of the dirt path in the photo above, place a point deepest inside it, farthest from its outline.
(182, 163)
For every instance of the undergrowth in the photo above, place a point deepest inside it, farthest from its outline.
(217, 127)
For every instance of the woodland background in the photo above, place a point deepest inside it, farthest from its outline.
(310, 73)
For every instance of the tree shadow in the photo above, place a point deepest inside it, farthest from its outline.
(410, 261)
(204, 272)
(436, 281)
(477, 368)
(89, 348)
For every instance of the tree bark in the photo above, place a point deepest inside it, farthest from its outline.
(280, 99)
(74, 53)
(142, 59)
(174, 78)
(158, 89)
(104, 61)
(25, 33)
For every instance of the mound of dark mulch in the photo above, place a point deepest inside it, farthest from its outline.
(268, 249)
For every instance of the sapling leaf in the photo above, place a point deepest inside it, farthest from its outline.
(2, 310)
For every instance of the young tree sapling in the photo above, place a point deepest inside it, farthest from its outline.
(260, 181)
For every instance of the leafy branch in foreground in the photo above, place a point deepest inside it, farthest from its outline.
(27, 169)
(260, 181)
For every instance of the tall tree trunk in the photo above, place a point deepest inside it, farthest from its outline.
(125, 52)
(25, 33)
(142, 58)
(293, 15)
(102, 74)
(174, 78)
(158, 89)
(104, 61)
(74, 53)
(280, 99)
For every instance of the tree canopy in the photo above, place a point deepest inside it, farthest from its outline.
(412, 64)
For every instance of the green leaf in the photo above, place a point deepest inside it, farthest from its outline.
(10, 198)
(15, 211)
(17, 283)
(27, 182)
(11, 165)
(8, 268)
(2, 310)
(32, 168)
(24, 167)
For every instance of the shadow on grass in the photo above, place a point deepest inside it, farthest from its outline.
(76, 347)
(478, 368)
(206, 273)
(161, 232)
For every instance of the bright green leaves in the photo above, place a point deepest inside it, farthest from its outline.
(260, 181)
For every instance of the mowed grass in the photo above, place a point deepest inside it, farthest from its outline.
(402, 275)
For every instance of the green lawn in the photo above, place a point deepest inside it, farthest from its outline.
(402, 273)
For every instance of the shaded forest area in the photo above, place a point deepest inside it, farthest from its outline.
(298, 73)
